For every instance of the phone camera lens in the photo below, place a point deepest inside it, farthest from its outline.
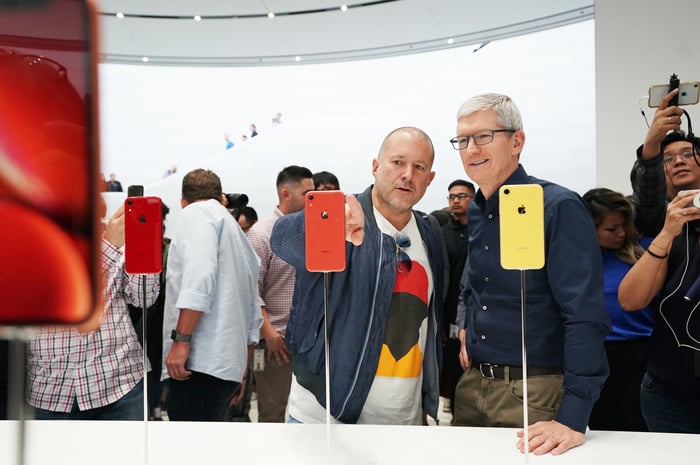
(506, 191)
(311, 197)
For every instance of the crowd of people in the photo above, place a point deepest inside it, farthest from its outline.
(424, 309)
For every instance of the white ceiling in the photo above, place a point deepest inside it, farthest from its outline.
(240, 33)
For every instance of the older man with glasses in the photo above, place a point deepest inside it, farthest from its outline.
(566, 318)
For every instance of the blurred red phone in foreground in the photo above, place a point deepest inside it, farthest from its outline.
(48, 162)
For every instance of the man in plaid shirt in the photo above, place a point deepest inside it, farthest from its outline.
(96, 375)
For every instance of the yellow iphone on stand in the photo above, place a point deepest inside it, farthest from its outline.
(521, 212)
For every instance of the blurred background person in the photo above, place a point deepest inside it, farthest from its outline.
(326, 181)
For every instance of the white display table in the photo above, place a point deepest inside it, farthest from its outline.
(174, 443)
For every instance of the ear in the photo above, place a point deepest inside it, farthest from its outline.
(183, 203)
(375, 166)
(518, 140)
(432, 176)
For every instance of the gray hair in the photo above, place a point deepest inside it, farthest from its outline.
(507, 111)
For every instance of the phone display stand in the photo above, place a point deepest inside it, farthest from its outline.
(17, 408)
(522, 207)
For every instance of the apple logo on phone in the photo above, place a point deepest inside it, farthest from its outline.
(521, 210)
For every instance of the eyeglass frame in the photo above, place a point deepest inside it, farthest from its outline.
(669, 160)
(460, 196)
(455, 141)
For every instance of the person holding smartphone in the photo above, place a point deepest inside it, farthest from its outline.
(566, 318)
(666, 276)
(384, 309)
(95, 375)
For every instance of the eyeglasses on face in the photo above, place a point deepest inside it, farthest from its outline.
(460, 196)
(671, 159)
(480, 138)
(403, 261)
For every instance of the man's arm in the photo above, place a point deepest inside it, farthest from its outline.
(575, 274)
(180, 350)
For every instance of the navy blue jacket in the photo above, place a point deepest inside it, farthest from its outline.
(358, 305)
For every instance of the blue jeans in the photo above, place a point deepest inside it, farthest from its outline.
(666, 410)
(129, 407)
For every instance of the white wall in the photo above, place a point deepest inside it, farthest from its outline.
(638, 43)
(336, 115)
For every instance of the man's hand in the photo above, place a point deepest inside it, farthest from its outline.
(238, 396)
(276, 349)
(463, 356)
(665, 119)
(550, 436)
(354, 220)
(114, 232)
(175, 362)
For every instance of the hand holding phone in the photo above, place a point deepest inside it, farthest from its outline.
(688, 94)
(324, 216)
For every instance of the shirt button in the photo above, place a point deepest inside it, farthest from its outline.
(486, 247)
(483, 337)
(486, 279)
(490, 215)
(484, 307)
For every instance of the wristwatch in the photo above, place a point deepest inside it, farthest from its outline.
(179, 337)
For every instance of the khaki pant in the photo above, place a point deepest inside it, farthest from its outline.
(272, 388)
(499, 402)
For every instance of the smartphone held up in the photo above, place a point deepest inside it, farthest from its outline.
(48, 162)
(324, 215)
(688, 92)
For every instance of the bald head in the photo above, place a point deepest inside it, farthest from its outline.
(407, 133)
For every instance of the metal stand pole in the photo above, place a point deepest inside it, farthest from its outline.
(526, 436)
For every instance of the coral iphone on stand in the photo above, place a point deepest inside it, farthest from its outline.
(521, 211)
(143, 235)
(324, 216)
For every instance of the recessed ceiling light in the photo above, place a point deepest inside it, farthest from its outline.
(297, 58)
(120, 15)
(450, 41)
(343, 8)
(270, 15)
(144, 59)
(197, 18)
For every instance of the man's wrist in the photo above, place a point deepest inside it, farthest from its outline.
(177, 336)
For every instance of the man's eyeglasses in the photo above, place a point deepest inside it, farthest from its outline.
(460, 196)
(480, 138)
(403, 261)
(671, 159)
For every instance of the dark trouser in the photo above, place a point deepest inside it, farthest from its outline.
(200, 398)
(667, 410)
(499, 402)
(618, 407)
(451, 371)
(129, 407)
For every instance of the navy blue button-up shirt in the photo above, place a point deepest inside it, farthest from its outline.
(565, 308)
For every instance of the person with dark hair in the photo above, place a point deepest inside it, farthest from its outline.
(656, 178)
(565, 299)
(247, 217)
(273, 371)
(456, 234)
(384, 309)
(618, 409)
(325, 181)
(666, 276)
(211, 318)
